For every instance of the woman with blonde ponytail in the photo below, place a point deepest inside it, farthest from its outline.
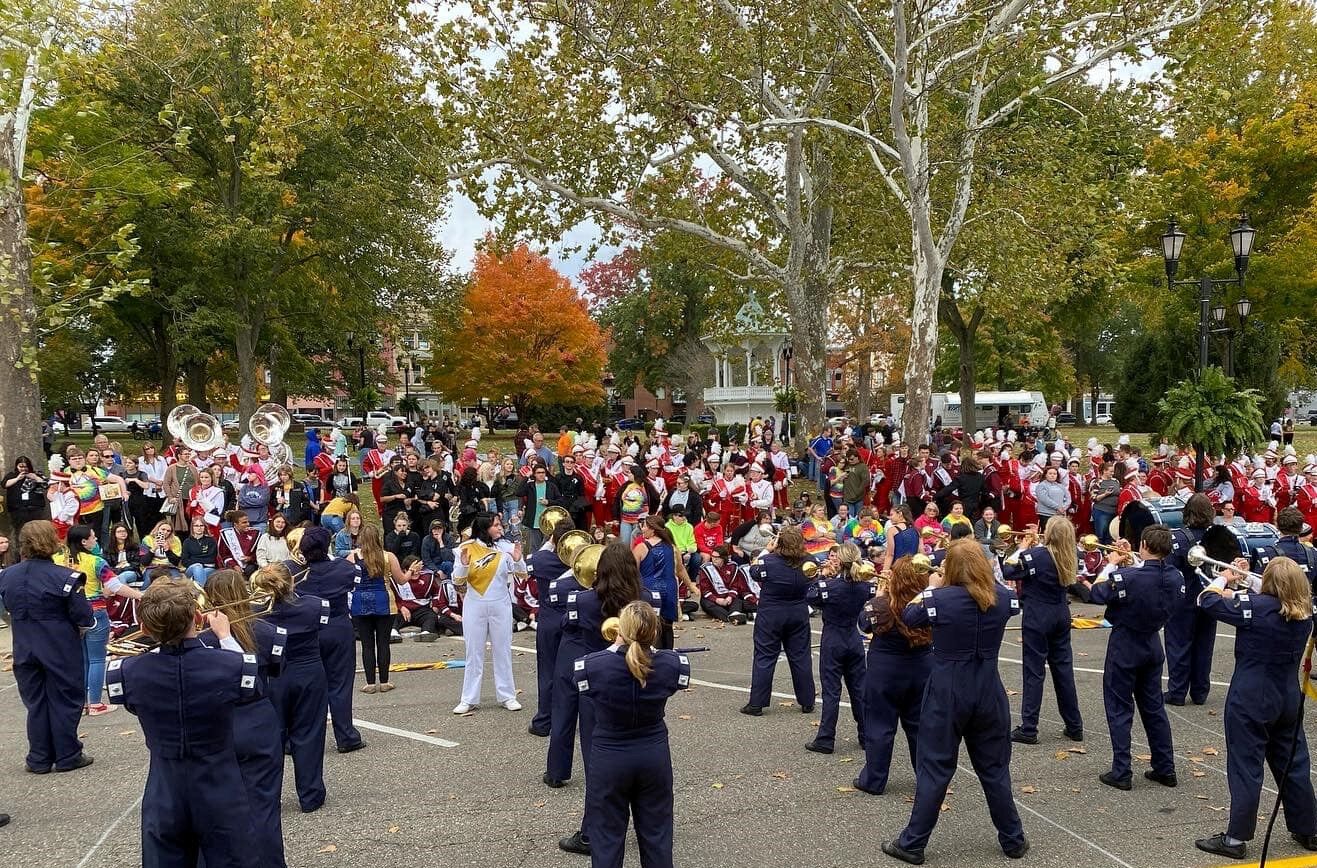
(630, 761)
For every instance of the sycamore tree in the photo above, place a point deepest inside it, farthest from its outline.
(607, 107)
(522, 334)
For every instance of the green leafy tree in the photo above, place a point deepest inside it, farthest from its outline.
(1212, 414)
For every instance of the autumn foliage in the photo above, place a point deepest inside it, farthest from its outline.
(523, 333)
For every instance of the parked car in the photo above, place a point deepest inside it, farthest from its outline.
(1312, 417)
(230, 425)
(1105, 419)
(707, 418)
(308, 419)
(110, 424)
(1066, 419)
(629, 424)
(837, 421)
(508, 420)
(679, 419)
(349, 422)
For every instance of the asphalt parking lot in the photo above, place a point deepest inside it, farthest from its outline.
(435, 789)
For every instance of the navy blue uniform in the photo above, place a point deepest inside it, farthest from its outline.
(332, 581)
(1139, 602)
(300, 693)
(259, 744)
(896, 674)
(48, 613)
(1190, 632)
(964, 701)
(545, 568)
(580, 636)
(1290, 547)
(841, 652)
(195, 803)
(630, 763)
(1262, 711)
(1045, 631)
(782, 623)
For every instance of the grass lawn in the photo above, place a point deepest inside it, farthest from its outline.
(1305, 437)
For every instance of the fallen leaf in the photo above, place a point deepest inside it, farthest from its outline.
(1076, 789)
(1204, 798)
(1211, 751)
(1212, 712)
(519, 692)
(329, 848)
(813, 723)
(1028, 789)
(468, 714)
(1217, 807)
(1077, 750)
(909, 800)
(1012, 693)
(1196, 773)
(846, 759)
(1083, 653)
(683, 717)
(786, 704)
(718, 785)
(946, 806)
(393, 830)
(1063, 755)
(1146, 757)
(699, 635)
(431, 731)
(782, 776)
(845, 789)
(540, 804)
(126, 732)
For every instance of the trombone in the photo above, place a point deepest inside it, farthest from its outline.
(138, 642)
(1089, 543)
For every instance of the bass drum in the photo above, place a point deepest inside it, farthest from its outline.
(1166, 510)
(1253, 536)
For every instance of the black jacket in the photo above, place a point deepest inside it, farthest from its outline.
(694, 509)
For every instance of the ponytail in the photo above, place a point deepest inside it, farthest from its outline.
(639, 628)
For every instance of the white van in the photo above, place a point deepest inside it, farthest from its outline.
(991, 410)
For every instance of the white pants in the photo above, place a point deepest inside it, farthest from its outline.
(482, 621)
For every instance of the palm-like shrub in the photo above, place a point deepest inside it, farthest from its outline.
(1213, 415)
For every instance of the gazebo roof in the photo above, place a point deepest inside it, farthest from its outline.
(752, 319)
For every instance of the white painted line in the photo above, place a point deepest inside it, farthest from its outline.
(404, 733)
(1071, 832)
(1103, 672)
(106, 834)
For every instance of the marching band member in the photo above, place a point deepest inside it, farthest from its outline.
(488, 609)
(301, 692)
(184, 695)
(896, 673)
(759, 491)
(1306, 497)
(1258, 503)
(781, 477)
(964, 701)
(1159, 479)
(1190, 633)
(729, 497)
(237, 543)
(616, 583)
(49, 615)
(782, 623)
(206, 501)
(449, 606)
(628, 685)
(1139, 602)
(375, 466)
(1263, 722)
(1045, 572)
(417, 593)
(841, 599)
(256, 738)
(553, 582)
(720, 597)
(333, 580)
(1289, 522)
(1287, 482)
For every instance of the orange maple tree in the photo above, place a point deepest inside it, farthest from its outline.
(523, 334)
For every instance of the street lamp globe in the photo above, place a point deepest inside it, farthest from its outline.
(1172, 244)
(1241, 241)
(1219, 313)
(1244, 307)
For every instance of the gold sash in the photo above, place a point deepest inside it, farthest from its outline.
(483, 565)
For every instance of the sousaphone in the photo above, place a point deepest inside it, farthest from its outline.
(550, 517)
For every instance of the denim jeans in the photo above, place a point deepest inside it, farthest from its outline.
(332, 523)
(509, 507)
(129, 577)
(626, 531)
(93, 655)
(199, 573)
(1102, 524)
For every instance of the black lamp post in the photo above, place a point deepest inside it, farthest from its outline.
(1241, 244)
(405, 362)
(787, 353)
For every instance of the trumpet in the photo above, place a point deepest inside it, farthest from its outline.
(1197, 557)
(1089, 543)
(1005, 532)
(138, 642)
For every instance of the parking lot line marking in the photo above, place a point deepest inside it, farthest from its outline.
(1287, 862)
(1103, 671)
(404, 733)
(106, 834)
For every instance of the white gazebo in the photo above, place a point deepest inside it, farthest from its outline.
(741, 357)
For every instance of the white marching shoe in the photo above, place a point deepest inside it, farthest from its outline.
(512, 705)
(464, 707)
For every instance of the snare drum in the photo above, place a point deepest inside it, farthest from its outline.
(1253, 536)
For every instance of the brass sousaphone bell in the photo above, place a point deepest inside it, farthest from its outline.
(571, 543)
(585, 564)
(550, 517)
